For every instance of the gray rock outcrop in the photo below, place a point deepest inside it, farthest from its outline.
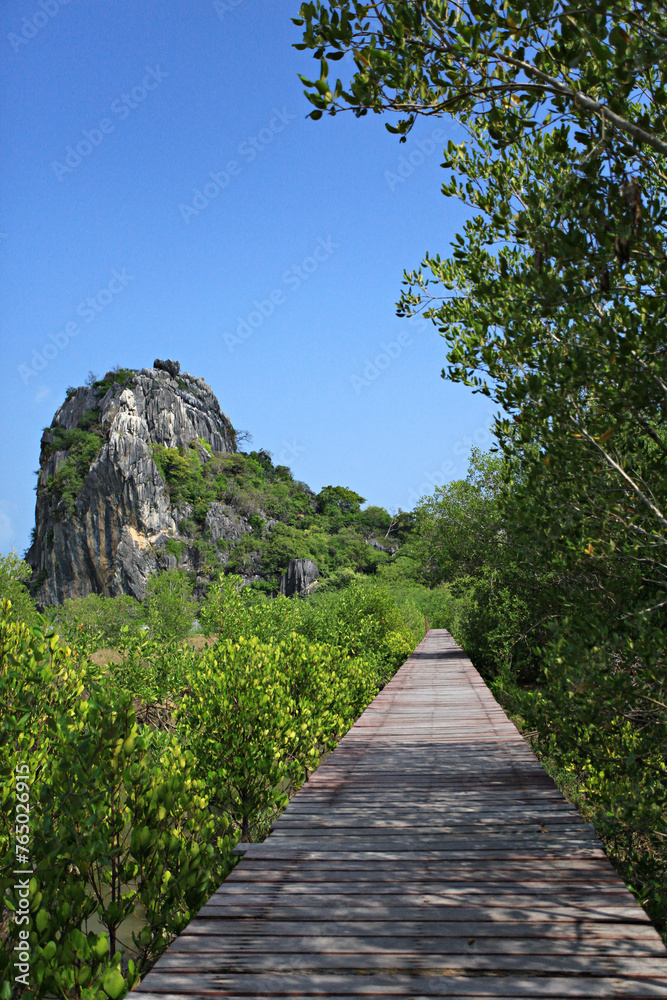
(300, 579)
(222, 523)
(104, 522)
(391, 549)
(172, 368)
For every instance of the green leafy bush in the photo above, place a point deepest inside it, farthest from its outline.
(95, 621)
(83, 447)
(175, 548)
(365, 620)
(118, 376)
(117, 831)
(170, 608)
(14, 577)
(257, 716)
(362, 620)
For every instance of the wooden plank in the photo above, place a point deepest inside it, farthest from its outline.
(579, 930)
(278, 852)
(599, 964)
(350, 909)
(457, 897)
(171, 985)
(435, 946)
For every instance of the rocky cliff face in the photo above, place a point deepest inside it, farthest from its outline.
(104, 518)
(300, 579)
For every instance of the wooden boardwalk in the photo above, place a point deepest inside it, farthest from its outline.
(429, 856)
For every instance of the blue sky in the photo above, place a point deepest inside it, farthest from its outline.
(164, 195)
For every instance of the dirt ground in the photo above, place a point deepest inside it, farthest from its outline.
(201, 641)
(102, 657)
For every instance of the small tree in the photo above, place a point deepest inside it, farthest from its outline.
(14, 576)
(97, 620)
(170, 608)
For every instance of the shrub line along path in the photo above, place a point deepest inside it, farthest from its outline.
(430, 855)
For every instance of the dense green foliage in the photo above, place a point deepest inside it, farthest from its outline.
(114, 828)
(150, 757)
(259, 715)
(245, 482)
(330, 527)
(95, 619)
(170, 610)
(14, 577)
(360, 619)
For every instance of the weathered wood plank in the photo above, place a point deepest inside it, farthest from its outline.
(218, 961)
(171, 986)
(354, 909)
(579, 930)
(434, 946)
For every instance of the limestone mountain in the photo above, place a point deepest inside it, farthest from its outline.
(140, 473)
(105, 519)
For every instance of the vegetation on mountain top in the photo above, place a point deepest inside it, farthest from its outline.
(288, 520)
(82, 446)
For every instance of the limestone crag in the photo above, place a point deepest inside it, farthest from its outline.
(103, 520)
(300, 579)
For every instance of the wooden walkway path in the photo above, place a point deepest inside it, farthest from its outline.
(429, 856)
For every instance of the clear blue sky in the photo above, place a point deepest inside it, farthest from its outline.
(115, 116)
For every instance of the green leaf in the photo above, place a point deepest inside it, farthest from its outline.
(114, 983)
(48, 951)
(101, 947)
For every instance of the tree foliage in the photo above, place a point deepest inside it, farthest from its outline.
(505, 63)
(112, 830)
(552, 300)
(259, 715)
(170, 608)
(14, 577)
